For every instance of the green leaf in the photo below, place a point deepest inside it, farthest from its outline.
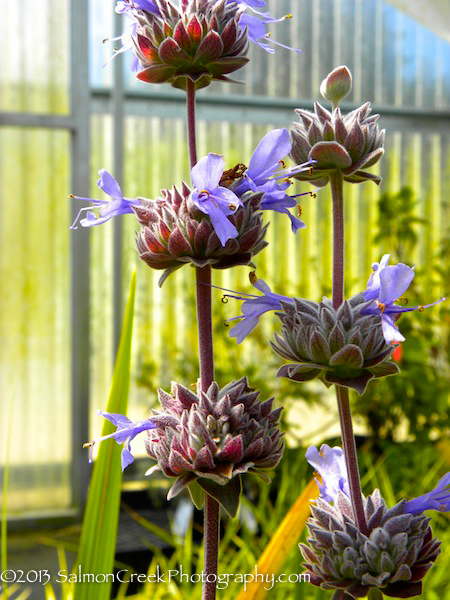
(197, 494)
(226, 495)
(99, 531)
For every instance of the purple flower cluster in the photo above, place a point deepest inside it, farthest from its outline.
(263, 175)
(385, 288)
(254, 24)
(330, 465)
(212, 199)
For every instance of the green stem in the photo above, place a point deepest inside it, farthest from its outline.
(345, 415)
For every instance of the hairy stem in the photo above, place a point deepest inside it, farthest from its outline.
(345, 415)
(206, 360)
(351, 458)
(204, 326)
(336, 181)
(211, 541)
(192, 140)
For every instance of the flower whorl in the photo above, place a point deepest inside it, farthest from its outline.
(211, 438)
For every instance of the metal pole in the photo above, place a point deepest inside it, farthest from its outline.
(117, 95)
(80, 147)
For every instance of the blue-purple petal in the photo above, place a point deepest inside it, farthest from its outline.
(394, 281)
(373, 285)
(391, 332)
(223, 227)
(255, 306)
(437, 499)
(273, 147)
(108, 184)
(241, 330)
(207, 172)
(330, 464)
(116, 418)
(126, 458)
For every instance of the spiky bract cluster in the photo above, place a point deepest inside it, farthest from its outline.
(200, 42)
(175, 232)
(340, 346)
(394, 556)
(346, 143)
(212, 438)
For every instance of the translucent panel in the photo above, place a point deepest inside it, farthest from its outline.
(34, 57)
(101, 280)
(101, 49)
(34, 316)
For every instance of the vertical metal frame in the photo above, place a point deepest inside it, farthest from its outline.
(80, 330)
(117, 111)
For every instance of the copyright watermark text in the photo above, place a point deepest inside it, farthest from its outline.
(222, 580)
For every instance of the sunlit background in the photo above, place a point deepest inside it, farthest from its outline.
(62, 291)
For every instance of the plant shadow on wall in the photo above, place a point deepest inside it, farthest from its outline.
(415, 403)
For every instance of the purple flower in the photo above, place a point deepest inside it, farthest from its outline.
(253, 307)
(264, 173)
(215, 201)
(126, 432)
(127, 6)
(256, 24)
(330, 464)
(385, 287)
(117, 206)
(437, 499)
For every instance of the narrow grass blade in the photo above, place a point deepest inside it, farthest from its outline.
(99, 531)
(282, 543)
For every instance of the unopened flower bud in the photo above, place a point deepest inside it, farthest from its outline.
(336, 142)
(337, 85)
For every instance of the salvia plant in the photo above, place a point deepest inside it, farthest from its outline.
(206, 440)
